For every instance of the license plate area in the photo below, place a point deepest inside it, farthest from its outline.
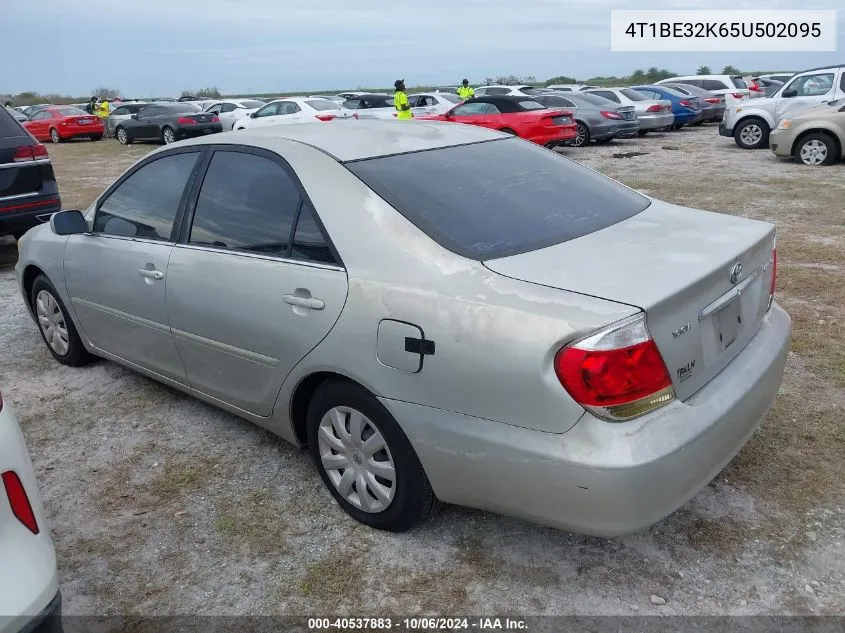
(728, 323)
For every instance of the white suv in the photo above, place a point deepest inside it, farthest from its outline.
(29, 591)
(750, 123)
(724, 85)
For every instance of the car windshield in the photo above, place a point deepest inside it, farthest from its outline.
(252, 105)
(69, 111)
(530, 104)
(498, 198)
(633, 95)
(322, 104)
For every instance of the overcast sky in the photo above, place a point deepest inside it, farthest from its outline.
(161, 47)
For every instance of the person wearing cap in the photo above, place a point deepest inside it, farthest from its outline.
(465, 91)
(103, 112)
(400, 101)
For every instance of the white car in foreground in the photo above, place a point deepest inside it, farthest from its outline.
(230, 111)
(294, 110)
(29, 591)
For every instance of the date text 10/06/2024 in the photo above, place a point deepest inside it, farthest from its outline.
(417, 624)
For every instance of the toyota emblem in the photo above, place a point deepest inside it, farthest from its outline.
(736, 272)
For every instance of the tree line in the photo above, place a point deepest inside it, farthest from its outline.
(638, 76)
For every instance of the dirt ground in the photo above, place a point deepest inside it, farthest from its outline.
(163, 505)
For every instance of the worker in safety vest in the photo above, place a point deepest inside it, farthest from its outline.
(465, 91)
(103, 112)
(400, 101)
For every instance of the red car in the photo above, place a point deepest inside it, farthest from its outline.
(60, 123)
(519, 115)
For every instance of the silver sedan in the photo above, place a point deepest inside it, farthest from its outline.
(439, 312)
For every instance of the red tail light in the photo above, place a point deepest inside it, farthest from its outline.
(610, 115)
(30, 152)
(655, 108)
(215, 119)
(686, 103)
(617, 373)
(18, 500)
(712, 100)
(738, 95)
(354, 115)
(185, 120)
(329, 117)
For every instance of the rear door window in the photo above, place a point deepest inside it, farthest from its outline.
(607, 94)
(498, 198)
(739, 82)
(714, 84)
(247, 203)
(309, 241)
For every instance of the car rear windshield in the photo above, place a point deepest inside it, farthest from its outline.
(252, 105)
(498, 198)
(530, 104)
(9, 127)
(633, 95)
(739, 82)
(322, 104)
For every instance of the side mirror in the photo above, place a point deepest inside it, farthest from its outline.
(68, 223)
(788, 94)
(133, 116)
(253, 115)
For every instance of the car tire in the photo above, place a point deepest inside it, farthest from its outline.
(752, 133)
(55, 325)
(582, 132)
(816, 149)
(642, 132)
(334, 440)
(168, 136)
(122, 136)
(54, 135)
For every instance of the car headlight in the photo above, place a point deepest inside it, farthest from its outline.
(784, 124)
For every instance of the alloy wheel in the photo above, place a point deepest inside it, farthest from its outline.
(751, 134)
(813, 152)
(51, 320)
(54, 135)
(580, 135)
(357, 459)
(121, 136)
(169, 136)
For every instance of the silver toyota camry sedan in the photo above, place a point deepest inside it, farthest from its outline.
(438, 312)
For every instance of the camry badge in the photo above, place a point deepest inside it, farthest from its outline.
(736, 272)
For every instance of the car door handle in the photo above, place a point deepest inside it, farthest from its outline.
(310, 303)
(150, 274)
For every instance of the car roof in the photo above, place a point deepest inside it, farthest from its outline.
(357, 140)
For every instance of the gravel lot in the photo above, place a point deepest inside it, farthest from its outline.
(163, 505)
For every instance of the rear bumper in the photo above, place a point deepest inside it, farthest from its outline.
(724, 130)
(192, 131)
(655, 121)
(713, 114)
(561, 136)
(613, 129)
(599, 477)
(685, 118)
(18, 216)
(91, 130)
(49, 620)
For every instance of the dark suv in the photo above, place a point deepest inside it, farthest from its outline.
(28, 189)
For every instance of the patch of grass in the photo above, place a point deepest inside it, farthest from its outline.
(255, 522)
(818, 337)
(180, 477)
(795, 460)
(336, 576)
(723, 537)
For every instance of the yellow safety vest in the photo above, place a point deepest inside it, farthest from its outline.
(401, 99)
(104, 110)
(466, 93)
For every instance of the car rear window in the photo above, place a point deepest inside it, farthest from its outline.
(252, 105)
(633, 95)
(739, 82)
(530, 104)
(9, 127)
(498, 198)
(322, 104)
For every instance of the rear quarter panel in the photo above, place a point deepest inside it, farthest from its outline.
(495, 337)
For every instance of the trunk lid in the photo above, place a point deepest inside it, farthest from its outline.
(628, 113)
(675, 264)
